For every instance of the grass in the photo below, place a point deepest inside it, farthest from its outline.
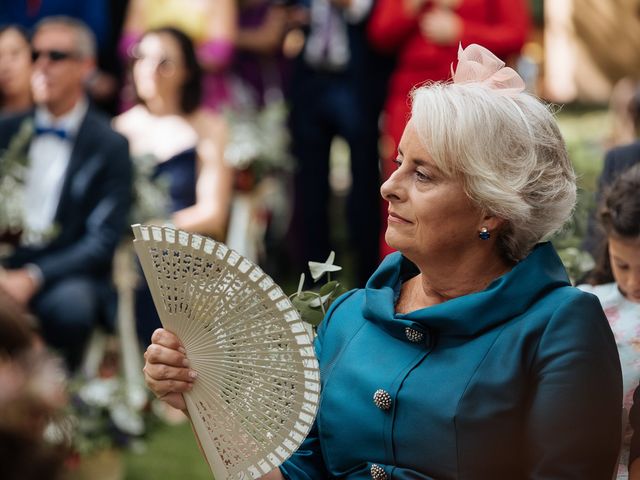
(171, 453)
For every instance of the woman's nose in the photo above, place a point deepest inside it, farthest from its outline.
(390, 189)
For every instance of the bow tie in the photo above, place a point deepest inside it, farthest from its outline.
(58, 132)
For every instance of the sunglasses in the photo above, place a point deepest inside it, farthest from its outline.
(53, 55)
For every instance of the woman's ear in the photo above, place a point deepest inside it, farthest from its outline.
(492, 223)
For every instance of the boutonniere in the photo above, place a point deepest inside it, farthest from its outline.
(313, 305)
(14, 165)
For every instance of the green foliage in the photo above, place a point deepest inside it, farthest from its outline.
(584, 133)
(14, 163)
(311, 304)
(103, 413)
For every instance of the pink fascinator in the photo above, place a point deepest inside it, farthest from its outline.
(476, 64)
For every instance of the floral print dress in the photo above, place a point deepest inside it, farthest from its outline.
(624, 318)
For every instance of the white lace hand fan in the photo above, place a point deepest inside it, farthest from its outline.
(257, 390)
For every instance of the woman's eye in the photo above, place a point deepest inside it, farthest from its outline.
(397, 162)
(421, 176)
(622, 267)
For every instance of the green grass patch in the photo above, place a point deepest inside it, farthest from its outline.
(171, 453)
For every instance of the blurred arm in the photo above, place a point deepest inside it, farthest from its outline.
(392, 22)
(507, 31)
(132, 29)
(268, 37)
(216, 52)
(214, 184)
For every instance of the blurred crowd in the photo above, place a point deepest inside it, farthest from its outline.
(108, 106)
(114, 108)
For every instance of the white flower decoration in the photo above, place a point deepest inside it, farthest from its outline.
(318, 269)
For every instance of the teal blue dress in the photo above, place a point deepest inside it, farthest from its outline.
(519, 381)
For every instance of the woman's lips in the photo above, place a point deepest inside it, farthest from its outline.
(394, 217)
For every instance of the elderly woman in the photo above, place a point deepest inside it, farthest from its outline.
(468, 355)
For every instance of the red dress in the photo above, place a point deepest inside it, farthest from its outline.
(499, 25)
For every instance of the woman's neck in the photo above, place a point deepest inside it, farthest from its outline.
(163, 105)
(442, 281)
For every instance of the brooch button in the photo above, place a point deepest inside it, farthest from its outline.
(378, 473)
(382, 399)
(413, 335)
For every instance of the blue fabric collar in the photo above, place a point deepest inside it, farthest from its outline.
(469, 315)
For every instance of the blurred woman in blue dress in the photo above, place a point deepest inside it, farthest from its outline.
(184, 142)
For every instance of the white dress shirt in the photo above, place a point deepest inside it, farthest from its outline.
(49, 157)
(328, 44)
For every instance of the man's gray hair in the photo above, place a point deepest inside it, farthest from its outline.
(85, 40)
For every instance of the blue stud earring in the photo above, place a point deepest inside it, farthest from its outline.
(484, 233)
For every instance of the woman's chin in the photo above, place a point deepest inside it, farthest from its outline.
(145, 91)
(394, 242)
(390, 239)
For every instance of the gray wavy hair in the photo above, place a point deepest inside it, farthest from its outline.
(85, 40)
(507, 150)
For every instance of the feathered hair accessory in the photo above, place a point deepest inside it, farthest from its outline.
(476, 64)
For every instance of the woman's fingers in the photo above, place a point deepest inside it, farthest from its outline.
(164, 387)
(167, 339)
(160, 372)
(166, 369)
(165, 364)
(164, 379)
(160, 354)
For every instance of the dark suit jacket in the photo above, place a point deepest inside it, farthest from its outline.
(94, 203)
(616, 161)
(367, 71)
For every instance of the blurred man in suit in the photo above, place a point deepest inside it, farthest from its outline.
(78, 185)
(338, 89)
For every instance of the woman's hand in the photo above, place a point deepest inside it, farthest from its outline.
(166, 369)
(441, 26)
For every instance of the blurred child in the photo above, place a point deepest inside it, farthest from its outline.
(616, 282)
